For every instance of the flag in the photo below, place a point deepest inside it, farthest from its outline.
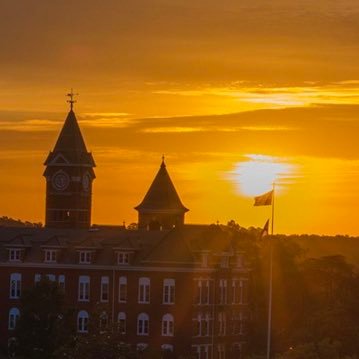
(264, 200)
(265, 230)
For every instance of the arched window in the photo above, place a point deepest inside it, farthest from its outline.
(82, 322)
(61, 281)
(103, 321)
(14, 315)
(141, 347)
(122, 322)
(167, 325)
(122, 290)
(51, 277)
(15, 285)
(166, 348)
(168, 291)
(144, 290)
(143, 324)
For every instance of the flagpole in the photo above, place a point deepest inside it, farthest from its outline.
(273, 198)
(270, 282)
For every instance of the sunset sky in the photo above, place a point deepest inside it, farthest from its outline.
(235, 93)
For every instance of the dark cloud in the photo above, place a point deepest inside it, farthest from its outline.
(322, 131)
(179, 40)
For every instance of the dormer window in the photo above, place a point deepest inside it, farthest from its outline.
(224, 261)
(85, 257)
(14, 255)
(204, 260)
(50, 255)
(123, 258)
(240, 261)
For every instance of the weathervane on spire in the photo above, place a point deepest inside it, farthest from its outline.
(71, 101)
(163, 161)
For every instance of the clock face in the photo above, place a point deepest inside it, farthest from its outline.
(60, 181)
(86, 182)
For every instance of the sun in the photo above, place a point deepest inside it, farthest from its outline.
(257, 175)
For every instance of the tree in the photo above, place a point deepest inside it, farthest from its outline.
(325, 349)
(45, 322)
(105, 345)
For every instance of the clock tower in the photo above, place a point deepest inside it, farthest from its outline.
(69, 174)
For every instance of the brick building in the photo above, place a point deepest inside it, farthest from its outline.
(169, 285)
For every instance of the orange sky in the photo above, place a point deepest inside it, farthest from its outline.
(233, 92)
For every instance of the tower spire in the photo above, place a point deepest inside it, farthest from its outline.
(71, 101)
(161, 207)
(69, 175)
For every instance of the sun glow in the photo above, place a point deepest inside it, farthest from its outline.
(257, 175)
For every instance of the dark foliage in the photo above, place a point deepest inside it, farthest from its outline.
(45, 323)
(11, 222)
(315, 299)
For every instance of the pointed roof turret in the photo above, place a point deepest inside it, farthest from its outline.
(162, 195)
(71, 144)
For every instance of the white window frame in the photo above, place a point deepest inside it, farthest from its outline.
(237, 347)
(50, 256)
(236, 291)
(15, 286)
(51, 277)
(240, 260)
(82, 321)
(85, 257)
(242, 323)
(61, 281)
(121, 320)
(14, 315)
(144, 290)
(140, 347)
(204, 260)
(222, 324)
(221, 351)
(105, 289)
(123, 258)
(224, 261)
(84, 288)
(122, 289)
(103, 321)
(236, 323)
(243, 284)
(169, 291)
(143, 324)
(203, 324)
(167, 325)
(15, 255)
(167, 347)
(223, 291)
(202, 351)
(203, 287)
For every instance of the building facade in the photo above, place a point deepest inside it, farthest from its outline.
(168, 285)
